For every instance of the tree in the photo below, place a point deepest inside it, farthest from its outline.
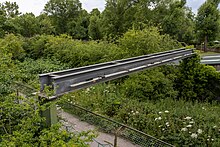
(178, 22)
(2, 23)
(117, 17)
(78, 28)
(62, 12)
(27, 25)
(46, 26)
(95, 12)
(207, 22)
(10, 9)
(94, 25)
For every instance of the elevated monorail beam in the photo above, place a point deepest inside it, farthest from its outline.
(78, 78)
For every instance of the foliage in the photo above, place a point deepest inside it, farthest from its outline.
(6, 65)
(94, 26)
(207, 24)
(178, 22)
(13, 45)
(141, 42)
(196, 81)
(45, 24)
(117, 17)
(29, 70)
(22, 125)
(27, 25)
(178, 122)
(149, 85)
(10, 9)
(62, 13)
(73, 52)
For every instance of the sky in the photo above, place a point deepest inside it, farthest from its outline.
(36, 6)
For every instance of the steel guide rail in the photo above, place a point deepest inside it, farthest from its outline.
(46, 79)
(211, 60)
(79, 78)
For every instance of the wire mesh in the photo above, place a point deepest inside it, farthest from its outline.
(137, 138)
(22, 89)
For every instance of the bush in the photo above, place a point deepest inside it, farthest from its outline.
(141, 42)
(30, 69)
(22, 125)
(151, 84)
(73, 52)
(13, 45)
(196, 81)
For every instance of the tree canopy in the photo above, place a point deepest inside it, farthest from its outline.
(207, 22)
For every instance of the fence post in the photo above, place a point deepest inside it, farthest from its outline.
(117, 132)
(50, 115)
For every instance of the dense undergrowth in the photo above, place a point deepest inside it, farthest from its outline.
(175, 104)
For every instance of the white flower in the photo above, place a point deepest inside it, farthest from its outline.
(189, 126)
(166, 111)
(68, 100)
(184, 129)
(160, 126)
(214, 127)
(212, 139)
(207, 139)
(159, 118)
(203, 108)
(188, 118)
(71, 102)
(137, 112)
(191, 122)
(163, 129)
(160, 112)
(199, 131)
(167, 123)
(132, 111)
(194, 135)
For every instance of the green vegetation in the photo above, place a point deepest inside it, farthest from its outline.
(178, 122)
(174, 103)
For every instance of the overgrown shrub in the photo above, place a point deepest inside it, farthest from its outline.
(141, 42)
(30, 69)
(151, 84)
(13, 45)
(196, 81)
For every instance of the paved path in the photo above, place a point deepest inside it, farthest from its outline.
(80, 126)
